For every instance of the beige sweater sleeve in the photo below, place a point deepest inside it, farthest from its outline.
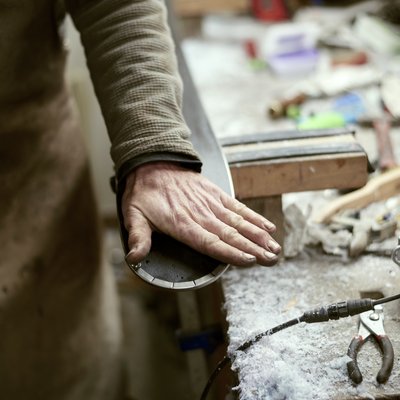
(130, 54)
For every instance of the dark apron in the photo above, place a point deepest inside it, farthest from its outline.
(59, 320)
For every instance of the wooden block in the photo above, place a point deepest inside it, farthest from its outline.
(297, 174)
(273, 163)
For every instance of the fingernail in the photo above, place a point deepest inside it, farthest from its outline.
(249, 257)
(269, 254)
(274, 246)
(132, 251)
(269, 225)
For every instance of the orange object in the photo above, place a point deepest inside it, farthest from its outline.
(350, 58)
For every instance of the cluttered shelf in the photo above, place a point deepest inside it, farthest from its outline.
(344, 73)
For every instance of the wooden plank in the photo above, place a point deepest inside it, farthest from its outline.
(303, 147)
(192, 8)
(274, 177)
(276, 136)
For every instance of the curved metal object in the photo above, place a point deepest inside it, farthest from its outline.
(173, 265)
(396, 253)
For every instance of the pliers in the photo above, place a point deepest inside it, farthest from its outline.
(371, 325)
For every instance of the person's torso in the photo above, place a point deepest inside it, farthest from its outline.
(31, 51)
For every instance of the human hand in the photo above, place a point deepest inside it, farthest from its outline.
(185, 205)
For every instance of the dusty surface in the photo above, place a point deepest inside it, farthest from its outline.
(307, 361)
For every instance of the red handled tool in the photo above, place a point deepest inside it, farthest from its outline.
(371, 326)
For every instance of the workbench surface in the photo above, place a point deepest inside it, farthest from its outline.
(307, 361)
(304, 361)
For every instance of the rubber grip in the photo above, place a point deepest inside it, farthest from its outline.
(352, 366)
(387, 360)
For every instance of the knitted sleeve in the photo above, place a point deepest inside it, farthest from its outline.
(130, 55)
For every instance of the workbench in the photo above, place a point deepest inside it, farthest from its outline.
(308, 361)
(305, 361)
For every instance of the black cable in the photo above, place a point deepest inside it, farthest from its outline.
(386, 299)
(269, 332)
(225, 361)
(220, 366)
(332, 311)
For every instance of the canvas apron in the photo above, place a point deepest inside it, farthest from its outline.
(59, 322)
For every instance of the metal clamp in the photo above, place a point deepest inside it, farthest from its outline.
(396, 253)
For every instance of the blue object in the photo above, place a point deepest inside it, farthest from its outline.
(207, 339)
(351, 106)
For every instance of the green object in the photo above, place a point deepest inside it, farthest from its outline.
(323, 120)
(257, 64)
(293, 111)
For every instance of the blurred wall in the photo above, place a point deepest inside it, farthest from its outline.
(91, 121)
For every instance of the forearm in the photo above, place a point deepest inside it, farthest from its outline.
(131, 58)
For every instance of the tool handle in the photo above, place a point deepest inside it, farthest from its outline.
(387, 159)
(278, 108)
(388, 359)
(352, 366)
(378, 188)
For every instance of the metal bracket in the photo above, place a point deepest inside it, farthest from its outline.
(396, 253)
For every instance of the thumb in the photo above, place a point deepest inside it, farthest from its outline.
(139, 240)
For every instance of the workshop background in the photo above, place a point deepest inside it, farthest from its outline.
(276, 67)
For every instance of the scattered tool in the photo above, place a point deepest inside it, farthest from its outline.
(349, 57)
(378, 188)
(371, 326)
(331, 83)
(364, 230)
(279, 107)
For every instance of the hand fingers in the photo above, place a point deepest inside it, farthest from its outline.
(238, 232)
(210, 244)
(248, 230)
(234, 238)
(248, 214)
(200, 215)
(139, 240)
(254, 233)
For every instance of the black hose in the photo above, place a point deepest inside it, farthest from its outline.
(226, 360)
(386, 299)
(330, 312)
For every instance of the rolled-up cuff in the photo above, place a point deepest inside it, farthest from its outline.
(186, 161)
